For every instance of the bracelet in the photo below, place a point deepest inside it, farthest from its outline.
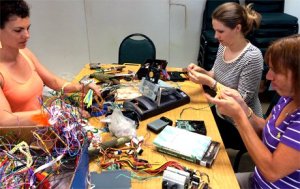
(64, 85)
(214, 85)
(249, 116)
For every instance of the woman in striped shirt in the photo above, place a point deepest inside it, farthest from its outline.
(273, 144)
(238, 64)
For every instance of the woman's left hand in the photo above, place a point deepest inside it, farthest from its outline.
(199, 78)
(237, 97)
(226, 104)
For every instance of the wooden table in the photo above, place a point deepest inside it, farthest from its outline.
(221, 173)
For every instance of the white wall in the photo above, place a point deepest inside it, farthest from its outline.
(58, 35)
(110, 21)
(66, 34)
(185, 27)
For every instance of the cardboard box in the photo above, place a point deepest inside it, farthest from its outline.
(72, 179)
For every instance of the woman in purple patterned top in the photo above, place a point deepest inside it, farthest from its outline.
(273, 144)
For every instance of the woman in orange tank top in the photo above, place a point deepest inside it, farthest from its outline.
(22, 76)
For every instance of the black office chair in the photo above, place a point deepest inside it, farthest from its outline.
(275, 23)
(136, 48)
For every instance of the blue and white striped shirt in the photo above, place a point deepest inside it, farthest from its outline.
(243, 74)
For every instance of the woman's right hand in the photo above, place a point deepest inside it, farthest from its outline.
(95, 88)
(229, 103)
(200, 78)
(194, 67)
(237, 97)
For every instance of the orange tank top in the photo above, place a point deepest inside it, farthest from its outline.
(23, 96)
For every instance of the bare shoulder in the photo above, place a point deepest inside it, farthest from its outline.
(30, 55)
(27, 52)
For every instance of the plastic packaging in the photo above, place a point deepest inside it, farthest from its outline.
(120, 125)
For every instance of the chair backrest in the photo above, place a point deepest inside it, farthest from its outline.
(262, 6)
(136, 48)
(210, 6)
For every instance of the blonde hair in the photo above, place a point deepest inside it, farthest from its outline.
(231, 14)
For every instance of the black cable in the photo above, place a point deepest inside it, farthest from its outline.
(210, 105)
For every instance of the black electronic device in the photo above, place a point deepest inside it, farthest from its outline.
(152, 69)
(141, 105)
(209, 91)
(159, 124)
(178, 76)
(146, 107)
(196, 126)
(156, 97)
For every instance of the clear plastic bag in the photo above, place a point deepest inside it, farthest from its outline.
(120, 125)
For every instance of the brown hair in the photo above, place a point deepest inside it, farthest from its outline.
(9, 8)
(231, 14)
(284, 55)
